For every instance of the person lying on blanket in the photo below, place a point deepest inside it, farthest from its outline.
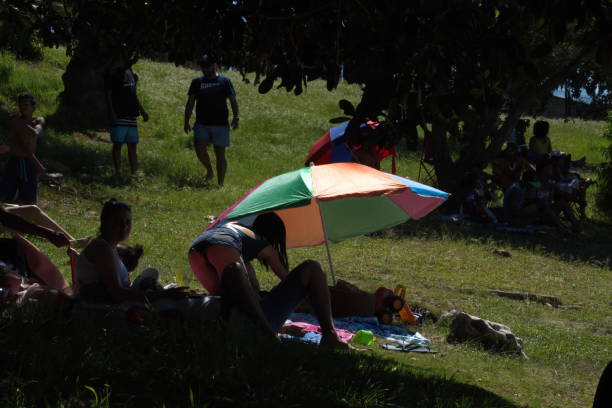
(220, 260)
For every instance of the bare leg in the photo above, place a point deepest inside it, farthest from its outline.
(313, 277)
(221, 164)
(117, 157)
(132, 157)
(202, 153)
(36, 216)
(205, 273)
(236, 286)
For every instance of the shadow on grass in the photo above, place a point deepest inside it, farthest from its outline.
(594, 245)
(85, 156)
(53, 362)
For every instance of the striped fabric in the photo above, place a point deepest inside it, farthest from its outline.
(127, 121)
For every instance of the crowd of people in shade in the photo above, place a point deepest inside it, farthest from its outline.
(538, 185)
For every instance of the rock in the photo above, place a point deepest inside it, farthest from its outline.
(493, 336)
(502, 252)
(543, 299)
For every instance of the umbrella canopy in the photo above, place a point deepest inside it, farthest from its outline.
(335, 201)
(332, 147)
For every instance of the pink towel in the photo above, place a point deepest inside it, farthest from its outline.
(299, 328)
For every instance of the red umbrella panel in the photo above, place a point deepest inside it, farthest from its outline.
(333, 148)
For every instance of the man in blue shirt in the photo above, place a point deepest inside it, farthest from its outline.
(210, 93)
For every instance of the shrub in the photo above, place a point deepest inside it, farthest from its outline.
(604, 194)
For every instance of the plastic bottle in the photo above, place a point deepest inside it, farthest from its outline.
(363, 337)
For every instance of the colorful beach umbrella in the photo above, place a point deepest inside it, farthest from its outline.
(334, 202)
(333, 148)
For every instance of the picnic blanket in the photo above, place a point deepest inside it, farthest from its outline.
(395, 334)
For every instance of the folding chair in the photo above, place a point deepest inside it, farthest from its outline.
(427, 161)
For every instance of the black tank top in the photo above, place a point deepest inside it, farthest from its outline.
(251, 247)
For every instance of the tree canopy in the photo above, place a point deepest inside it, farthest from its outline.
(456, 64)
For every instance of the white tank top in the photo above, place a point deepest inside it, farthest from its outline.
(87, 273)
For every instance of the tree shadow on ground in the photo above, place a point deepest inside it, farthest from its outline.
(84, 161)
(59, 361)
(85, 156)
(594, 245)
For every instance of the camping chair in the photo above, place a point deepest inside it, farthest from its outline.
(427, 161)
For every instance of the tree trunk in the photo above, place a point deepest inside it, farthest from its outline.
(83, 96)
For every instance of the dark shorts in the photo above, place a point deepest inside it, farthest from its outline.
(19, 181)
(214, 135)
(217, 236)
(124, 134)
(282, 300)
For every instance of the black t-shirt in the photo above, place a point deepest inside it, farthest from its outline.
(211, 96)
(121, 83)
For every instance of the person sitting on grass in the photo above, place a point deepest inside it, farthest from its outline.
(101, 274)
(517, 212)
(541, 193)
(509, 167)
(477, 198)
(20, 179)
(569, 186)
(517, 137)
(230, 248)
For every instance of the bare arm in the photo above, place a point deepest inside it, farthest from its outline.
(270, 255)
(143, 113)
(252, 276)
(238, 289)
(20, 225)
(111, 109)
(101, 255)
(235, 111)
(188, 111)
(39, 166)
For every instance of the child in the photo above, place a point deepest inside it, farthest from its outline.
(149, 278)
(20, 180)
(124, 107)
(477, 198)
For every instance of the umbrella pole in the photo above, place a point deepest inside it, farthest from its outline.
(329, 259)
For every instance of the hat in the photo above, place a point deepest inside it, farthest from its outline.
(207, 60)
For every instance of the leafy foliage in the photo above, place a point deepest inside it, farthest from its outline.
(604, 196)
(456, 64)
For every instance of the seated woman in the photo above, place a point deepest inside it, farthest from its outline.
(102, 276)
(220, 259)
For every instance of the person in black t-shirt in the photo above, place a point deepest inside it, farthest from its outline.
(210, 93)
(124, 107)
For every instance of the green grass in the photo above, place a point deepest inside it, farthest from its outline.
(444, 267)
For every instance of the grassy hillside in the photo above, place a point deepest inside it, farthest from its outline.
(444, 266)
